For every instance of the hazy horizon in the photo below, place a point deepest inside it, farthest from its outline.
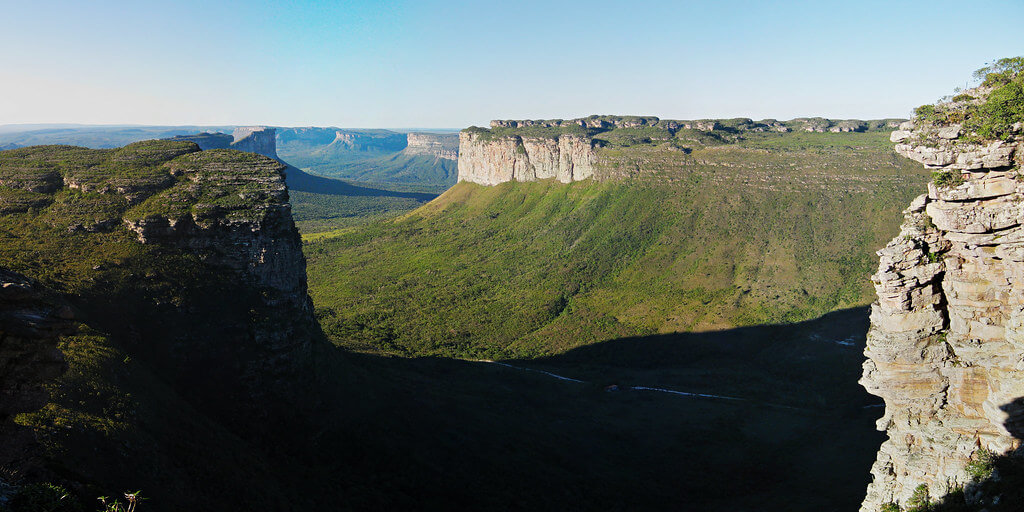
(454, 64)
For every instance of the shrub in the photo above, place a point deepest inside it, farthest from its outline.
(919, 501)
(890, 507)
(981, 466)
(1004, 107)
(947, 178)
(1000, 71)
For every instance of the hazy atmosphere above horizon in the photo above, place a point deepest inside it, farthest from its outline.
(454, 64)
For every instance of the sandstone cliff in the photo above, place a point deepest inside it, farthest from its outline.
(227, 208)
(438, 145)
(946, 344)
(490, 161)
(574, 149)
(256, 139)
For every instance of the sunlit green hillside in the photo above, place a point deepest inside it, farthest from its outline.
(777, 228)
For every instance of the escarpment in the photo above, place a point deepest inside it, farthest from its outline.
(438, 145)
(189, 259)
(251, 139)
(592, 147)
(946, 344)
(486, 161)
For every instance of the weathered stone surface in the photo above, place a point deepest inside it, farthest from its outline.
(439, 145)
(490, 161)
(256, 139)
(947, 332)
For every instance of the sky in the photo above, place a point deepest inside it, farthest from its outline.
(452, 64)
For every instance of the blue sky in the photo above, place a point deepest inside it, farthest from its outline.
(454, 64)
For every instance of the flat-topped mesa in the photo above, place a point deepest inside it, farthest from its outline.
(946, 342)
(490, 161)
(571, 150)
(256, 139)
(439, 145)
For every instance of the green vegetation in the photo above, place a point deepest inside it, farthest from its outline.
(919, 501)
(529, 269)
(949, 179)
(992, 117)
(982, 465)
(890, 507)
(139, 407)
(393, 169)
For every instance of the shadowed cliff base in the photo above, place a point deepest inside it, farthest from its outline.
(433, 433)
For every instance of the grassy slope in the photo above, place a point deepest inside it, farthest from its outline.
(726, 236)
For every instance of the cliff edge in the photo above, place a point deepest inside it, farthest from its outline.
(945, 349)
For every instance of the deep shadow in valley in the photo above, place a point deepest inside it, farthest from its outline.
(443, 434)
(366, 432)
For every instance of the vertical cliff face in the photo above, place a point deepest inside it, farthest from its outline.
(256, 139)
(236, 216)
(489, 160)
(438, 145)
(946, 344)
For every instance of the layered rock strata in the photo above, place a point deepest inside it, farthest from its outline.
(438, 145)
(946, 344)
(490, 161)
(567, 150)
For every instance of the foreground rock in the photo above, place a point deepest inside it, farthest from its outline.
(946, 344)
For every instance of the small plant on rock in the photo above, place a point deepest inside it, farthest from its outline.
(890, 507)
(947, 178)
(981, 465)
(919, 501)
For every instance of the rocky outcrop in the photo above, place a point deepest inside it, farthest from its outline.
(30, 324)
(489, 160)
(946, 344)
(251, 139)
(255, 237)
(438, 145)
(256, 139)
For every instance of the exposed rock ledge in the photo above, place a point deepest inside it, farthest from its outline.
(946, 344)
(490, 161)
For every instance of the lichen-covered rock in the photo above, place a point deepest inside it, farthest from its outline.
(946, 345)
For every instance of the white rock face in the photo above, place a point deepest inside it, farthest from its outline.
(490, 161)
(256, 139)
(946, 344)
(439, 145)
